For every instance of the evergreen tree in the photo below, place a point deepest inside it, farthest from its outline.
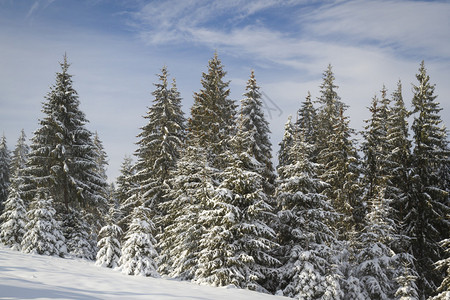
(109, 246)
(309, 244)
(5, 161)
(307, 123)
(444, 264)
(160, 142)
(340, 171)
(62, 157)
(257, 131)
(80, 240)
(375, 257)
(425, 220)
(138, 252)
(43, 234)
(123, 193)
(286, 144)
(237, 240)
(399, 156)
(337, 154)
(13, 219)
(192, 185)
(212, 120)
(375, 147)
(101, 158)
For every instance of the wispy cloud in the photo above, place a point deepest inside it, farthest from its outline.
(38, 4)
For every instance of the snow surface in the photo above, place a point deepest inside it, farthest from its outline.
(32, 276)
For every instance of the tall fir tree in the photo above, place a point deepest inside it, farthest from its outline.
(62, 157)
(337, 154)
(340, 171)
(254, 124)
(13, 219)
(160, 142)
(213, 114)
(426, 219)
(236, 245)
(5, 160)
(192, 185)
(309, 242)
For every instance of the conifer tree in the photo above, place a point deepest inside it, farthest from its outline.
(62, 157)
(13, 218)
(337, 154)
(138, 250)
(340, 171)
(43, 233)
(425, 222)
(309, 243)
(5, 161)
(307, 123)
(123, 193)
(444, 265)
(160, 142)
(80, 240)
(286, 143)
(213, 114)
(237, 240)
(257, 131)
(375, 147)
(192, 185)
(375, 257)
(101, 158)
(109, 246)
(399, 156)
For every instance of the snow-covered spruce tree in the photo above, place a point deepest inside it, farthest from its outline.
(5, 160)
(192, 186)
(444, 265)
(406, 283)
(337, 154)
(375, 257)
(286, 143)
(123, 193)
(62, 157)
(236, 245)
(138, 249)
(375, 147)
(309, 243)
(330, 107)
(256, 128)
(43, 233)
(109, 246)
(213, 114)
(160, 142)
(79, 236)
(13, 219)
(339, 169)
(307, 123)
(399, 157)
(425, 221)
(101, 158)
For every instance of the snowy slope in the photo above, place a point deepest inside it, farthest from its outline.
(26, 276)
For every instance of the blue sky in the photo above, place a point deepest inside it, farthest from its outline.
(117, 47)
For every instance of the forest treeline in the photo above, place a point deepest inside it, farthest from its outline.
(203, 202)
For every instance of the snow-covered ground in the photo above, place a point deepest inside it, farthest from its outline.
(26, 276)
